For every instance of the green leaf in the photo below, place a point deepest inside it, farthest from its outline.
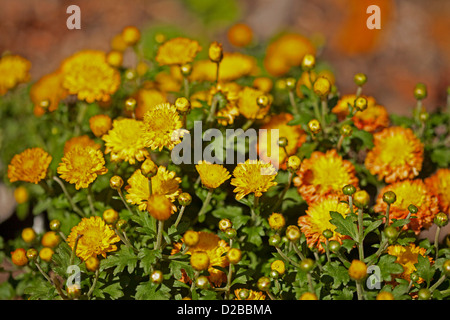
(389, 266)
(150, 291)
(424, 268)
(7, 291)
(372, 226)
(365, 137)
(441, 156)
(41, 290)
(254, 234)
(124, 258)
(344, 226)
(338, 272)
(233, 213)
(178, 266)
(147, 258)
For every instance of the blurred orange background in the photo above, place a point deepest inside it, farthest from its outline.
(412, 46)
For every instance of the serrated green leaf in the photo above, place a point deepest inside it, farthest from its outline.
(424, 268)
(150, 291)
(338, 272)
(147, 258)
(124, 258)
(388, 266)
(344, 226)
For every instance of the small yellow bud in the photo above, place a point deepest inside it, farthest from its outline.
(110, 216)
(46, 254)
(159, 207)
(279, 266)
(215, 52)
(191, 238)
(290, 83)
(28, 235)
(361, 104)
(224, 224)
(308, 62)
(186, 69)
(92, 263)
(322, 87)
(234, 255)
(114, 58)
(357, 270)
(361, 198)
(182, 104)
(21, 194)
(116, 182)
(50, 239)
(199, 260)
(149, 168)
(314, 126)
(131, 35)
(308, 296)
(276, 221)
(293, 163)
(130, 104)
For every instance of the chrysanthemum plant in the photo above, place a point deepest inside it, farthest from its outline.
(338, 216)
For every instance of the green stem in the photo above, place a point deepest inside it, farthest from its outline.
(310, 284)
(438, 283)
(340, 141)
(72, 204)
(327, 250)
(386, 223)
(299, 253)
(91, 290)
(283, 193)
(359, 290)
(292, 101)
(212, 111)
(119, 191)
(360, 234)
(180, 214)
(186, 87)
(248, 124)
(159, 235)
(74, 250)
(90, 200)
(324, 106)
(436, 241)
(206, 203)
(285, 257)
(42, 272)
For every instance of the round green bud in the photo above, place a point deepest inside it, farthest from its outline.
(263, 284)
(360, 79)
(414, 276)
(446, 267)
(274, 274)
(121, 224)
(55, 225)
(361, 199)
(424, 294)
(412, 208)
(290, 83)
(274, 240)
(346, 130)
(420, 91)
(282, 142)
(32, 254)
(157, 277)
(184, 199)
(361, 103)
(391, 232)
(334, 246)
(389, 197)
(202, 282)
(441, 219)
(307, 265)
(327, 233)
(231, 233)
(244, 294)
(349, 190)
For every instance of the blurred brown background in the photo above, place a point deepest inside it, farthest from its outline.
(412, 46)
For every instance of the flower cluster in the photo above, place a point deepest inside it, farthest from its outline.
(351, 187)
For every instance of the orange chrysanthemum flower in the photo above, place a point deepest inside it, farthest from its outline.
(407, 257)
(317, 220)
(29, 166)
(341, 109)
(397, 155)
(295, 136)
(252, 295)
(410, 192)
(48, 88)
(324, 174)
(97, 238)
(81, 166)
(177, 51)
(216, 250)
(439, 185)
(374, 118)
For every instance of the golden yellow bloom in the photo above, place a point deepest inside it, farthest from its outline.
(407, 257)
(118, 43)
(88, 75)
(216, 250)
(159, 207)
(285, 52)
(212, 175)
(277, 221)
(48, 88)
(14, 69)
(324, 174)
(28, 235)
(160, 124)
(253, 176)
(97, 238)
(357, 270)
(50, 239)
(410, 192)
(125, 141)
(385, 295)
(295, 136)
(163, 183)
(240, 35)
(263, 84)
(81, 141)
(439, 185)
(100, 124)
(317, 220)
(29, 166)
(233, 66)
(81, 166)
(177, 51)
(397, 155)
(247, 104)
(46, 254)
(252, 295)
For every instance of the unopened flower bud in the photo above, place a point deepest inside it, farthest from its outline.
(290, 83)
(308, 62)
(361, 199)
(322, 87)
(184, 199)
(182, 104)
(441, 219)
(116, 182)
(360, 79)
(420, 91)
(361, 104)
(293, 163)
(215, 52)
(314, 126)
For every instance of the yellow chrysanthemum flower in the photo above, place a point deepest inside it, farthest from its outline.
(14, 69)
(29, 166)
(407, 257)
(212, 175)
(410, 192)
(48, 88)
(248, 106)
(341, 108)
(216, 250)
(252, 295)
(163, 183)
(81, 166)
(317, 220)
(295, 136)
(397, 155)
(253, 176)
(439, 185)
(88, 75)
(160, 123)
(81, 141)
(232, 67)
(97, 238)
(276, 221)
(177, 51)
(324, 174)
(125, 141)
(100, 124)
